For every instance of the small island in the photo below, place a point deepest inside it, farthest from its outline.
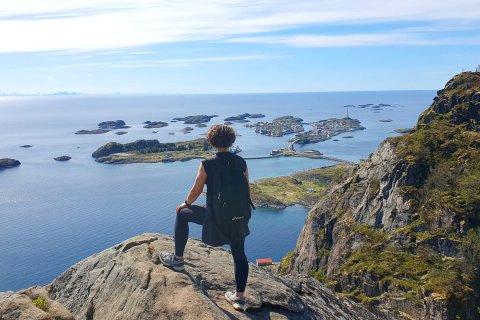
(154, 124)
(201, 125)
(62, 158)
(303, 188)
(120, 133)
(195, 119)
(403, 130)
(143, 151)
(244, 117)
(279, 126)
(104, 127)
(326, 129)
(94, 131)
(363, 106)
(26, 146)
(7, 163)
(112, 125)
(187, 130)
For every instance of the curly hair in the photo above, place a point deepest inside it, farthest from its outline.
(221, 136)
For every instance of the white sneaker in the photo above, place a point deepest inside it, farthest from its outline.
(236, 302)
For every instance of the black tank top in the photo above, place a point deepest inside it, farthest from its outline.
(212, 233)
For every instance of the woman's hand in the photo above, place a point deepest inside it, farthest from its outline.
(181, 206)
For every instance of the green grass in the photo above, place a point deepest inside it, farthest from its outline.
(305, 187)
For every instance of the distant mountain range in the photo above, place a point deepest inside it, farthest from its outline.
(60, 93)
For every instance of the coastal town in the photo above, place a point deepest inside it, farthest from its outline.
(326, 129)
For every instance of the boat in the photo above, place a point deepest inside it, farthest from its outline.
(235, 149)
(276, 152)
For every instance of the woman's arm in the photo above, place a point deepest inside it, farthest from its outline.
(196, 189)
(246, 175)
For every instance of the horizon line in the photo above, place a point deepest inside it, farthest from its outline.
(74, 93)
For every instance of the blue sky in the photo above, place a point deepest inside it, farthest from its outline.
(232, 46)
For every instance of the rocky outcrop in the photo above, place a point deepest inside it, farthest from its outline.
(127, 281)
(395, 234)
(7, 163)
(33, 303)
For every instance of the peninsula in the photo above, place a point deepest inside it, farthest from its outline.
(303, 188)
(144, 151)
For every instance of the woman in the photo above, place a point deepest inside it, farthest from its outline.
(215, 232)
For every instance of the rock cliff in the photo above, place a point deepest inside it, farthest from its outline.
(128, 282)
(402, 233)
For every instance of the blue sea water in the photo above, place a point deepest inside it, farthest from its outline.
(53, 214)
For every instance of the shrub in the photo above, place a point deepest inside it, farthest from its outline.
(286, 261)
(40, 303)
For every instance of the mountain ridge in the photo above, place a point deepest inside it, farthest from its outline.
(402, 233)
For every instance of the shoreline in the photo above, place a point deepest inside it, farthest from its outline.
(321, 157)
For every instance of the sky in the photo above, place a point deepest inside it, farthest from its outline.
(235, 46)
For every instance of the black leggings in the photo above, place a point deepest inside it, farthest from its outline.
(196, 214)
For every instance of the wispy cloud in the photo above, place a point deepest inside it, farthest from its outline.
(359, 40)
(90, 25)
(169, 62)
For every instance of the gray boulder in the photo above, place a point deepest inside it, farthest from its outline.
(128, 281)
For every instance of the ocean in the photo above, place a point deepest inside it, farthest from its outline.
(54, 214)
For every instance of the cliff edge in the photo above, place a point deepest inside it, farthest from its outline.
(402, 233)
(128, 282)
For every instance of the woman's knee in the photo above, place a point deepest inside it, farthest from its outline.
(183, 213)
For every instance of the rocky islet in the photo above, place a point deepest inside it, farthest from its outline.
(7, 163)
